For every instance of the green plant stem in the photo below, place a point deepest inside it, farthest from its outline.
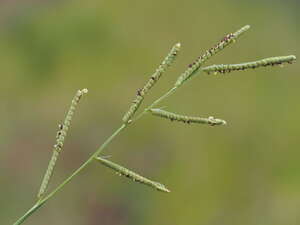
(28, 213)
(42, 201)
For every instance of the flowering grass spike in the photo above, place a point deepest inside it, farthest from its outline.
(151, 82)
(122, 171)
(227, 68)
(187, 119)
(194, 66)
(60, 138)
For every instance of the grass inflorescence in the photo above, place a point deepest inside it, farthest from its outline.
(129, 118)
(60, 138)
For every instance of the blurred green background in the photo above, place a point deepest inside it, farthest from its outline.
(245, 173)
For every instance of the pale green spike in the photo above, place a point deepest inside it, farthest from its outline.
(226, 68)
(131, 175)
(60, 137)
(187, 119)
(193, 68)
(169, 59)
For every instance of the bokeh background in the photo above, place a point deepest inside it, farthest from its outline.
(245, 173)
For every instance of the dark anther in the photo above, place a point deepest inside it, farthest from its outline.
(139, 92)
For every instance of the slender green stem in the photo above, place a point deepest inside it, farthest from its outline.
(40, 202)
(28, 213)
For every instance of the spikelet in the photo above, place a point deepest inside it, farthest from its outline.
(187, 119)
(194, 67)
(131, 175)
(161, 69)
(60, 137)
(133, 108)
(169, 59)
(227, 68)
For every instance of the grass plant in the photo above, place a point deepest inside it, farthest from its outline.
(130, 117)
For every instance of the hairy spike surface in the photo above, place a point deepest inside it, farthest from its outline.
(187, 119)
(169, 59)
(60, 137)
(194, 67)
(133, 108)
(161, 69)
(132, 175)
(241, 31)
(227, 68)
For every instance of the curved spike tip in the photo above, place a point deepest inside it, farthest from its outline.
(85, 90)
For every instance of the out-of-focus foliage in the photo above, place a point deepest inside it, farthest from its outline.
(244, 173)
